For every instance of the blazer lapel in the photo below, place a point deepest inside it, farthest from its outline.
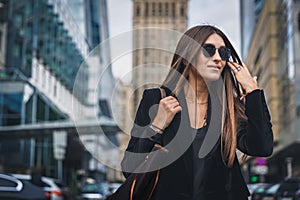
(181, 132)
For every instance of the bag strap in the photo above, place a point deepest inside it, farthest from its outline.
(156, 146)
(162, 92)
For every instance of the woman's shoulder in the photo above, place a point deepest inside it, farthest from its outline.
(151, 91)
(151, 96)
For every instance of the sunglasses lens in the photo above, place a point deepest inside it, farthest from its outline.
(224, 53)
(209, 50)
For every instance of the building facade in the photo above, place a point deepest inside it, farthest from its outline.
(157, 26)
(270, 38)
(123, 112)
(38, 73)
(45, 81)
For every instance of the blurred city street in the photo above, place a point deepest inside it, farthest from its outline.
(70, 84)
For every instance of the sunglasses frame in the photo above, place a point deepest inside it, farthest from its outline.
(225, 55)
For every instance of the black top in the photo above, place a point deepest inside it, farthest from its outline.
(198, 164)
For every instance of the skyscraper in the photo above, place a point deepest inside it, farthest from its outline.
(45, 80)
(92, 19)
(43, 52)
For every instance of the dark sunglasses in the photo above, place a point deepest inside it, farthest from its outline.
(210, 50)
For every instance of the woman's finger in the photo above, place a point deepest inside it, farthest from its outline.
(235, 67)
(169, 98)
(177, 109)
(174, 104)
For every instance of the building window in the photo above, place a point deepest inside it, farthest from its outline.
(159, 9)
(258, 7)
(138, 10)
(173, 9)
(11, 107)
(146, 9)
(298, 111)
(167, 9)
(153, 9)
(16, 50)
(182, 10)
(299, 21)
(55, 89)
(146, 56)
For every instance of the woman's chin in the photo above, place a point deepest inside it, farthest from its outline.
(212, 78)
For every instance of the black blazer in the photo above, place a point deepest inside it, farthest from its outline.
(254, 138)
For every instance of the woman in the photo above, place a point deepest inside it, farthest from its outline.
(202, 121)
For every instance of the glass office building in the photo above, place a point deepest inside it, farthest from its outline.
(35, 35)
(40, 60)
(43, 77)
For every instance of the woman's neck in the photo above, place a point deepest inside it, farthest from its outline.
(196, 88)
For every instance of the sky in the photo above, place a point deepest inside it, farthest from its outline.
(223, 14)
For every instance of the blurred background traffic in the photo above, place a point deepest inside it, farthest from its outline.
(67, 105)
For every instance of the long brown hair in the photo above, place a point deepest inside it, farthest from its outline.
(184, 59)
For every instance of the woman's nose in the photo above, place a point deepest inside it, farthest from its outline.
(217, 56)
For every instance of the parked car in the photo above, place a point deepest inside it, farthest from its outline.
(259, 192)
(288, 188)
(271, 193)
(12, 188)
(298, 195)
(64, 189)
(114, 186)
(54, 188)
(252, 187)
(95, 191)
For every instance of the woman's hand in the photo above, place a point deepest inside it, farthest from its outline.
(168, 107)
(244, 77)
